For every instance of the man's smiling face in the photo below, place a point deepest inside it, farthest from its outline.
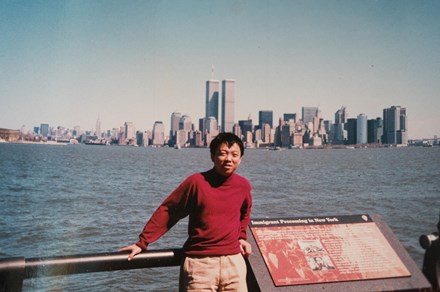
(226, 159)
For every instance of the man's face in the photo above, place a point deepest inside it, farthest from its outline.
(226, 159)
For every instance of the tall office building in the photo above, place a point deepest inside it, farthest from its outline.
(287, 117)
(375, 130)
(44, 130)
(202, 125)
(198, 139)
(308, 113)
(351, 127)
(236, 130)
(140, 140)
(395, 125)
(317, 122)
(212, 95)
(246, 127)
(130, 132)
(361, 129)
(181, 138)
(211, 125)
(341, 115)
(185, 123)
(175, 119)
(98, 128)
(287, 131)
(158, 134)
(228, 105)
(265, 117)
(266, 131)
(338, 135)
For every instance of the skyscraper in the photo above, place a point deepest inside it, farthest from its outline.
(265, 117)
(236, 130)
(338, 134)
(287, 131)
(185, 123)
(317, 121)
(361, 129)
(341, 115)
(351, 127)
(395, 129)
(228, 105)
(211, 125)
(375, 130)
(289, 116)
(175, 119)
(181, 138)
(308, 113)
(202, 125)
(140, 138)
(130, 132)
(44, 130)
(246, 127)
(98, 128)
(265, 132)
(212, 94)
(158, 133)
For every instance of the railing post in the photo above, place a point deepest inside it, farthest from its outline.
(431, 260)
(12, 274)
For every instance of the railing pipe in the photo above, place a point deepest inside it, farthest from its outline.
(14, 270)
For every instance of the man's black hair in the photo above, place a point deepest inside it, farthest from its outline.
(228, 138)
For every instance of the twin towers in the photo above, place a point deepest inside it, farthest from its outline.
(212, 105)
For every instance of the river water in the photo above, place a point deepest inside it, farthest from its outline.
(79, 199)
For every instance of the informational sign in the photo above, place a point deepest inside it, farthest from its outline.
(308, 250)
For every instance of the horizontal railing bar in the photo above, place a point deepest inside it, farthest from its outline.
(14, 270)
(76, 264)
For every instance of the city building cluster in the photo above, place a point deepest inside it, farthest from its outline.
(289, 131)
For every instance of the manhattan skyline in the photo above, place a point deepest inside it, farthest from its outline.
(67, 62)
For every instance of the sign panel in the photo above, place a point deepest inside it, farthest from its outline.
(307, 250)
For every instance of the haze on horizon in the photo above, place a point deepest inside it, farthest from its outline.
(67, 62)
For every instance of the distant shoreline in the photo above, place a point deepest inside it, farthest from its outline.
(362, 146)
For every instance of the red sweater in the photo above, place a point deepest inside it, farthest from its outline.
(219, 212)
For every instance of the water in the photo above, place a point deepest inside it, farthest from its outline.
(79, 199)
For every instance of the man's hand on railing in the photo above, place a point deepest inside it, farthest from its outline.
(134, 250)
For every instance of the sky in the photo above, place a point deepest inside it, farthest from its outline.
(66, 63)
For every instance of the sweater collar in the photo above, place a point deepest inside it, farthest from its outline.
(216, 180)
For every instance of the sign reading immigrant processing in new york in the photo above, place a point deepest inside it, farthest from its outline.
(308, 250)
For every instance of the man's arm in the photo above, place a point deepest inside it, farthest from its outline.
(173, 208)
(245, 218)
(245, 214)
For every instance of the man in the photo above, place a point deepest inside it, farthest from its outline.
(218, 203)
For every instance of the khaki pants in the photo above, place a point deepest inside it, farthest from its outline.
(216, 273)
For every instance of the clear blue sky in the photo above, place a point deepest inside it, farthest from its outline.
(66, 62)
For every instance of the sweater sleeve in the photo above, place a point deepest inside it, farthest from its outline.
(245, 216)
(173, 208)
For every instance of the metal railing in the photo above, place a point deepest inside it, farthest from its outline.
(13, 271)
